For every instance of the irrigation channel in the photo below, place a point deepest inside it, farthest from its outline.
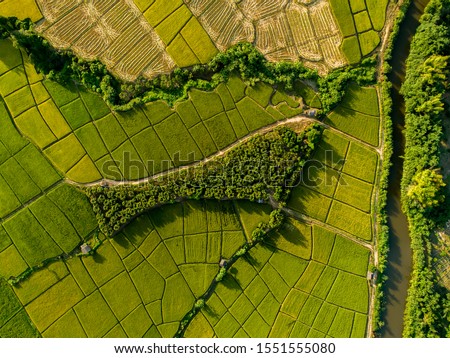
(400, 255)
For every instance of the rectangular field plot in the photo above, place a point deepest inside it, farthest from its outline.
(355, 193)
(323, 242)
(351, 292)
(361, 162)
(362, 99)
(350, 220)
(356, 124)
(349, 256)
(310, 203)
(332, 150)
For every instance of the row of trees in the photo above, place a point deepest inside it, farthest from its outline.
(242, 59)
(265, 166)
(428, 306)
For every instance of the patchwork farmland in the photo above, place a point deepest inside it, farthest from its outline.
(190, 267)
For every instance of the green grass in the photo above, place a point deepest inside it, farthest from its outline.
(244, 273)
(355, 193)
(279, 96)
(268, 308)
(40, 94)
(377, 12)
(76, 114)
(325, 317)
(294, 302)
(199, 328)
(275, 282)
(142, 276)
(361, 162)
(40, 282)
(310, 310)
(9, 303)
(323, 241)
(143, 4)
(368, 41)
(171, 25)
(54, 119)
(159, 9)
(345, 249)
(203, 139)
(253, 115)
(221, 130)
(356, 124)
(310, 276)
(226, 327)
(361, 99)
(95, 315)
(75, 205)
(84, 171)
(260, 93)
(9, 201)
(68, 326)
(110, 131)
(344, 17)
(19, 326)
(256, 291)
(129, 161)
(61, 94)
(357, 5)
(207, 104)
(300, 330)
(9, 135)
(12, 80)
(351, 50)
(251, 215)
(188, 113)
(121, 295)
(55, 223)
(237, 123)
(198, 40)
(81, 275)
(282, 327)
(12, 263)
(137, 323)
(359, 326)
(181, 53)
(10, 56)
(225, 96)
(350, 291)
(241, 309)
(294, 237)
(105, 265)
(362, 21)
(95, 105)
(236, 87)
(132, 121)
(195, 247)
(194, 217)
(256, 327)
(54, 302)
(65, 153)
(154, 156)
(324, 282)
(320, 178)
(34, 244)
(342, 324)
(28, 9)
(177, 300)
(177, 140)
(90, 139)
(157, 111)
(162, 261)
(5, 241)
(19, 101)
(309, 202)
(175, 245)
(332, 149)
(167, 220)
(287, 111)
(198, 276)
(33, 126)
(350, 220)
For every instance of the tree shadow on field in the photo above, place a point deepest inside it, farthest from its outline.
(98, 258)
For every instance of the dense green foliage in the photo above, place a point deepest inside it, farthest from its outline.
(261, 167)
(243, 58)
(424, 88)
